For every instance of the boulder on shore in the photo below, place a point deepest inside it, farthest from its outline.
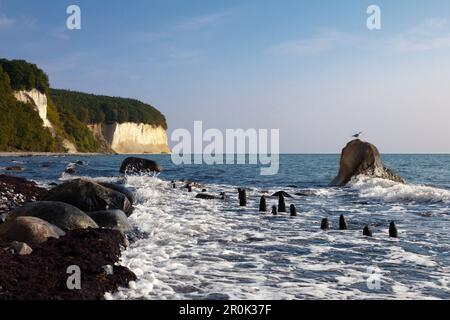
(60, 214)
(132, 165)
(111, 219)
(89, 196)
(360, 157)
(120, 188)
(30, 230)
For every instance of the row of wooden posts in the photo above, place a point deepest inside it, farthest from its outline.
(325, 224)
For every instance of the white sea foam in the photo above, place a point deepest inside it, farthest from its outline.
(390, 191)
(203, 249)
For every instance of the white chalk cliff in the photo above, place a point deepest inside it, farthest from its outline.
(132, 138)
(38, 99)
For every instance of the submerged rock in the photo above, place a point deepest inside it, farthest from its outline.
(111, 219)
(89, 196)
(207, 196)
(139, 165)
(360, 157)
(62, 215)
(31, 230)
(283, 193)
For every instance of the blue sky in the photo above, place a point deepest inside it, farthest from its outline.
(309, 68)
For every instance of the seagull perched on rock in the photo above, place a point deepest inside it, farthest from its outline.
(357, 135)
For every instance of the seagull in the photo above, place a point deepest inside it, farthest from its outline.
(357, 135)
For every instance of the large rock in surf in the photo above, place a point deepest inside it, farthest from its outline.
(138, 165)
(30, 230)
(117, 187)
(111, 219)
(360, 157)
(89, 196)
(62, 215)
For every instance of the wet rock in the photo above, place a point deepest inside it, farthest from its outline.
(21, 248)
(133, 165)
(60, 214)
(207, 196)
(31, 230)
(342, 223)
(42, 275)
(70, 170)
(367, 231)
(89, 196)
(111, 219)
(15, 168)
(285, 194)
(393, 232)
(120, 188)
(325, 224)
(360, 157)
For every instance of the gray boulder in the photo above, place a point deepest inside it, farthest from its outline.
(358, 158)
(60, 214)
(120, 188)
(89, 196)
(111, 219)
(31, 230)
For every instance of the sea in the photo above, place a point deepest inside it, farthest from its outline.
(215, 249)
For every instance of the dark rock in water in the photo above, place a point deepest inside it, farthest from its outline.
(43, 275)
(60, 214)
(285, 194)
(325, 224)
(342, 223)
(122, 189)
(274, 210)
(207, 196)
(111, 219)
(367, 231)
(292, 210)
(393, 232)
(134, 165)
(89, 196)
(70, 170)
(136, 234)
(360, 157)
(243, 198)
(281, 203)
(79, 162)
(189, 188)
(31, 230)
(292, 186)
(16, 191)
(21, 248)
(15, 168)
(263, 204)
(203, 190)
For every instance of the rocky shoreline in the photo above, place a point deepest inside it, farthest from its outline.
(44, 234)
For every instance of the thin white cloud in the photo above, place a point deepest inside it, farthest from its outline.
(324, 41)
(201, 22)
(60, 33)
(432, 34)
(6, 22)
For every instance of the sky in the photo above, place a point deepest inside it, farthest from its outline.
(311, 69)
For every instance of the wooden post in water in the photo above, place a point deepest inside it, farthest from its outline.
(342, 223)
(293, 211)
(325, 225)
(281, 203)
(274, 210)
(243, 198)
(263, 204)
(393, 232)
(367, 232)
